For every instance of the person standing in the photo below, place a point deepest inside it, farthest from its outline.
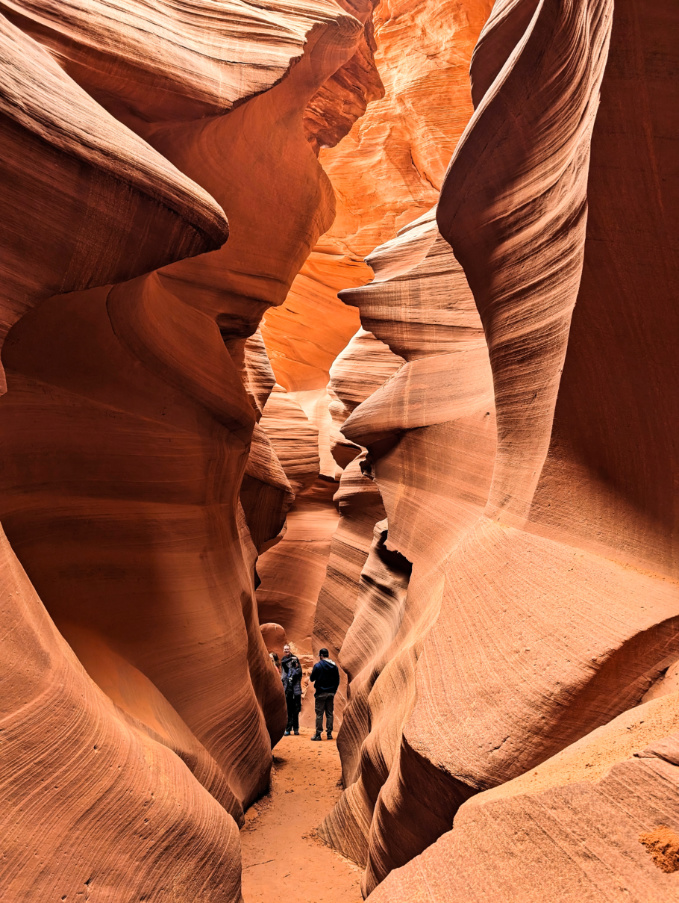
(292, 684)
(325, 676)
(287, 655)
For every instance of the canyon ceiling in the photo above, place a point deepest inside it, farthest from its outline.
(355, 325)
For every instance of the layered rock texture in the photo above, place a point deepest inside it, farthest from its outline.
(386, 172)
(137, 482)
(522, 589)
(460, 475)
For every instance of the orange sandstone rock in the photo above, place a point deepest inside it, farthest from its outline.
(93, 799)
(127, 427)
(274, 637)
(588, 832)
(430, 435)
(90, 178)
(555, 605)
(291, 572)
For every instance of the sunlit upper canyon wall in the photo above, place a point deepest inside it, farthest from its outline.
(460, 476)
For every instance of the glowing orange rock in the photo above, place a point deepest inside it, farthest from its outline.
(128, 421)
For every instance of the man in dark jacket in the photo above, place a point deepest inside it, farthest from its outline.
(325, 675)
(285, 661)
(292, 684)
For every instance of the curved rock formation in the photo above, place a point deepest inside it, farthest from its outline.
(292, 571)
(127, 426)
(470, 499)
(387, 170)
(592, 822)
(430, 432)
(357, 372)
(95, 177)
(554, 605)
(528, 215)
(117, 812)
(159, 62)
(579, 676)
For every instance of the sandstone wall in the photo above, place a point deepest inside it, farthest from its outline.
(542, 600)
(460, 476)
(138, 698)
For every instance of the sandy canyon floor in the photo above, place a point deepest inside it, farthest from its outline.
(282, 857)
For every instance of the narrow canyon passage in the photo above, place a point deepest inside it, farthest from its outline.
(282, 854)
(345, 325)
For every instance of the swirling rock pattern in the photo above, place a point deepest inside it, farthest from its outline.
(159, 62)
(128, 422)
(556, 605)
(108, 783)
(430, 432)
(358, 371)
(90, 171)
(580, 821)
(494, 449)
(387, 172)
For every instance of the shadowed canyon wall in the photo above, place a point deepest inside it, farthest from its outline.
(460, 475)
(138, 698)
(542, 600)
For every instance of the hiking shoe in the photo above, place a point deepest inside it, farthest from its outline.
(329, 735)
(317, 737)
(286, 734)
(296, 733)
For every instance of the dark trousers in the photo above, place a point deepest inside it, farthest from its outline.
(294, 704)
(325, 703)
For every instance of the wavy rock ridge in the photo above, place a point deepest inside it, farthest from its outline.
(460, 475)
(138, 698)
(525, 473)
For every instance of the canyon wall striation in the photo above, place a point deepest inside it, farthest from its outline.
(386, 172)
(138, 481)
(520, 597)
(460, 475)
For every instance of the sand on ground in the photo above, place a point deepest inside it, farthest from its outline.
(282, 857)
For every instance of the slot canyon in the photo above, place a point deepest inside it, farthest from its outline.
(351, 326)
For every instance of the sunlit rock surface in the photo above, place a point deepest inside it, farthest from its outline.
(135, 664)
(544, 601)
(592, 822)
(460, 475)
(430, 434)
(358, 371)
(387, 171)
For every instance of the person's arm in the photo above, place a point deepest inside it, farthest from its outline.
(314, 673)
(336, 677)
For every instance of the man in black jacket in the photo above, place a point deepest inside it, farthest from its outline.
(325, 675)
(292, 684)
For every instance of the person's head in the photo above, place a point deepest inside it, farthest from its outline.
(294, 662)
(286, 649)
(323, 653)
(274, 657)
